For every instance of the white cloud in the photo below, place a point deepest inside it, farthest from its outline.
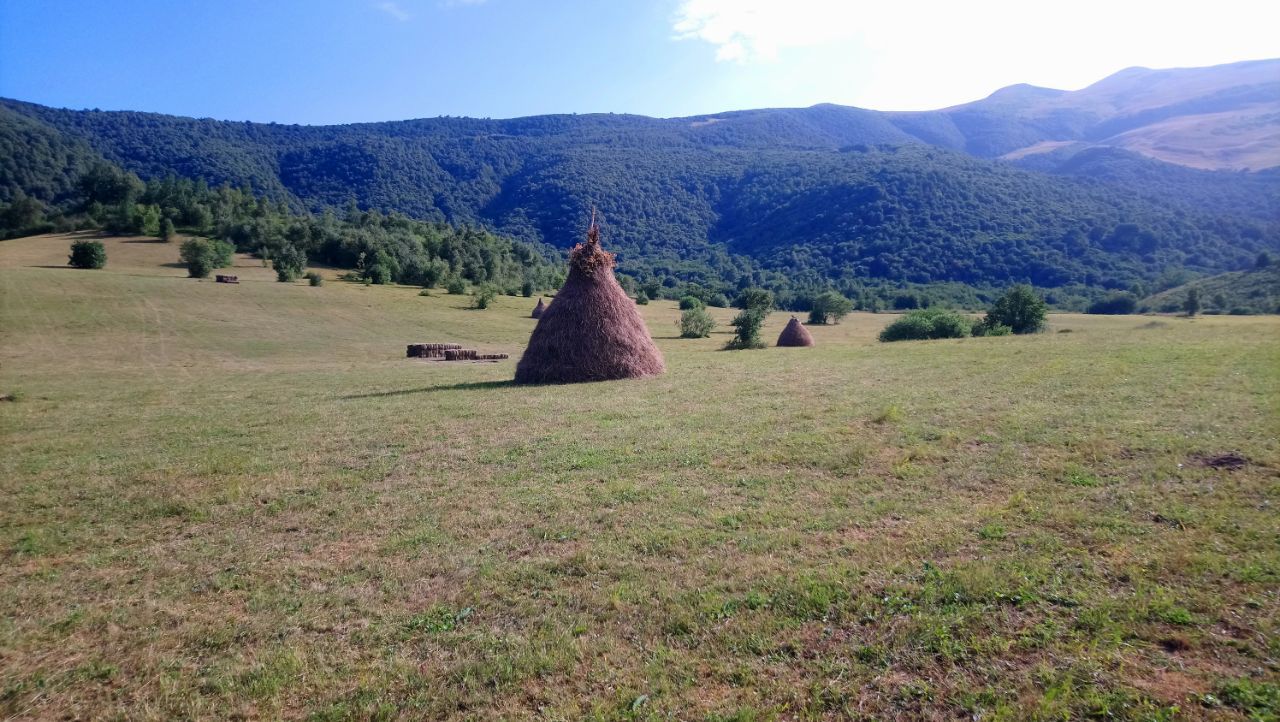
(927, 53)
(394, 10)
(743, 30)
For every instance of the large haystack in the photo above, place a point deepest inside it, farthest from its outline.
(795, 334)
(591, 330)
(537, 310)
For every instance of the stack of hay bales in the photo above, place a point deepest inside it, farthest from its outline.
(795, 334)
(429, 350)
(537, 310)
(591, 330)
(459, 354)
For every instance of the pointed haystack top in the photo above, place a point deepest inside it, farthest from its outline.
(591, 330)
(589, 257)
(537, 310)
(795, 334)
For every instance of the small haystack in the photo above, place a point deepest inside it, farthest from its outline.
(591, 330)
(795, 334)
(537, 310)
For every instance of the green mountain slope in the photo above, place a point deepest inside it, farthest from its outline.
(1253, 291)
(816, 194)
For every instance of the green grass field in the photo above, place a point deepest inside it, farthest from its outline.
(242, 502)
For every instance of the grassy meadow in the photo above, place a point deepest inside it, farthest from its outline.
(243, 502)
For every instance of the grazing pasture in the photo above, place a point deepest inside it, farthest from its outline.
(243, 501)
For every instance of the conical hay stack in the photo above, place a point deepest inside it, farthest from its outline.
(795, 334)
(591, 330)
(537, 310)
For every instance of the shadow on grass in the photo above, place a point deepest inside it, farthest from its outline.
(429, 389)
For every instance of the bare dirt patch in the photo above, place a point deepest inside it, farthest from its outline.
(1229, 461)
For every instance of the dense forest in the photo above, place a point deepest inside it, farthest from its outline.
(794, 200)
(51, 184)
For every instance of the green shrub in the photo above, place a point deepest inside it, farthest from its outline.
(201, 256)
(1258, 698)
(526, 289)
(166, 229)
(688, 303)
(696, 323)
(928, 323)
(456, 286)
(87, 254)
(642, 299)
(315, 279)
(1020, 308)
(982, 329)
(828, 307)
(719, 300)
(748, 324)
(484, 296)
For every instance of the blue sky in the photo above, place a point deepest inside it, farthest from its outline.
(337, 61)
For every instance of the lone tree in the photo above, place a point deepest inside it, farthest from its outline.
(87, 254)
(591, 330)
(1020, 308)
(829, 306)
(289, 263)
(1192, 303)
(795, 334)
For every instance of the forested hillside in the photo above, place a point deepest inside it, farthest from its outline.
(790, 198)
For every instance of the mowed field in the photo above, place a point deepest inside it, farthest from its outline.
(243, 502)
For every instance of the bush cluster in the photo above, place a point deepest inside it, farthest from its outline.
(1117, 305)
(928, 323)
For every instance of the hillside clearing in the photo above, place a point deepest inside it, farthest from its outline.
(242, 501)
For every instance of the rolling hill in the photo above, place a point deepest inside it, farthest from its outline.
(1256, 290)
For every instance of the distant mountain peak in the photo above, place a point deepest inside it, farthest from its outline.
(1020, 91)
